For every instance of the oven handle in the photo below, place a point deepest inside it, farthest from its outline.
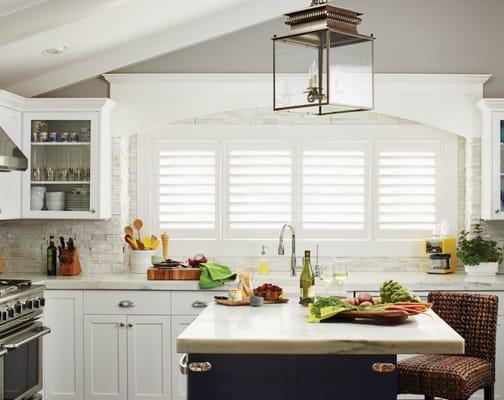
(39, 333)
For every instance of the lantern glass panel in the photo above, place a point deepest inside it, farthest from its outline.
(301, 70)
(351, 74)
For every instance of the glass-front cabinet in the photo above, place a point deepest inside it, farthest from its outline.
(492, 159)
(69, 173)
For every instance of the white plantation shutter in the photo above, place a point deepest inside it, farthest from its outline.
(407, 185)
(186, 198)
(335, 190)
(259, 189)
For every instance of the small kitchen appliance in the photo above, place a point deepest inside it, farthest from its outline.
(21, 332)
(441, 249)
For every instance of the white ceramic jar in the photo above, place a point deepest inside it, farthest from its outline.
(140, 261)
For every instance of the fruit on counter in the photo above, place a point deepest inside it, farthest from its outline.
(198, 259)
(269, 291)
(392, 292)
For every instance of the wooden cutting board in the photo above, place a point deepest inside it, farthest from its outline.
(377, 317)
(247, 302)
(173, 274)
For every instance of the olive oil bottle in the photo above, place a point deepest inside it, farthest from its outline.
(51, 258)
(307, 281)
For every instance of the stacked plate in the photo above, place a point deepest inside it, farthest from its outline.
(55, 201)
(77, 201)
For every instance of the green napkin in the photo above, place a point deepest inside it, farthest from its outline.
(213, 275)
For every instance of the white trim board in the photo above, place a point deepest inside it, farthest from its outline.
(443, 101)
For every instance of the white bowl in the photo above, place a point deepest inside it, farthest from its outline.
(55, 195)
(36, 205)
(38, 189)
(55, 206)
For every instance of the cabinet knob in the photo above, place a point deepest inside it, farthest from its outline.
(497, 211)
(130, 325)
(199, 304)
(121, 324)
(383, 368)
(204, 366)
(93, 210)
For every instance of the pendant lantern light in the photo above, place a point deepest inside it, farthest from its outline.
(323, 65)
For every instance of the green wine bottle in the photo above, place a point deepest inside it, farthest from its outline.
(51, 258)
(307, 281)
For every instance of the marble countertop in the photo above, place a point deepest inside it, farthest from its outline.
(283, 329)
(357, 281)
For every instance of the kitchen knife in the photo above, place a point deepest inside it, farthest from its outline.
(62, 242)
(71, 245)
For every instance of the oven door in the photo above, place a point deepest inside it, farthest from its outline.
(21, 362)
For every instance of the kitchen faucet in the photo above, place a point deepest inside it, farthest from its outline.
(281, 249)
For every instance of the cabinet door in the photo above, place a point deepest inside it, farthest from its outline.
(63, 348)
(105, 349)
(65, 152)
(10, 206)
(148, 357)
(498, 165)
(179, 381)
(499, 360)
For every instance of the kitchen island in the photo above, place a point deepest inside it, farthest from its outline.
(273, 352)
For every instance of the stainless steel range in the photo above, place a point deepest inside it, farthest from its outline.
(21, 332)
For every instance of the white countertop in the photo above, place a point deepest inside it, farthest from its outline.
(284, 329)
(363, 281)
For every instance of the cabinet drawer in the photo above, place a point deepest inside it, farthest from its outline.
(192, 303)
(126, 302)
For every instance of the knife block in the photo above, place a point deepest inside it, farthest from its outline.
(70, 268)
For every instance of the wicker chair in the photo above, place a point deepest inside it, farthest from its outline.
(474, 317)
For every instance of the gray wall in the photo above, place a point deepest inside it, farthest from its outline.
(413, 36)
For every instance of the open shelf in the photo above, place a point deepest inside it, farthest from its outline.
(60, 182)
(60, 143)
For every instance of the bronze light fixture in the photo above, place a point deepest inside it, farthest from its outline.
(324, 42)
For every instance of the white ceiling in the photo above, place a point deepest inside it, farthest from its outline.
(103, 35)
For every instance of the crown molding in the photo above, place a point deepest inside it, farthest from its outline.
(491, 104)
(11, 100)
(68, 104)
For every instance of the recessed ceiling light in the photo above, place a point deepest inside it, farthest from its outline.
(55, 51)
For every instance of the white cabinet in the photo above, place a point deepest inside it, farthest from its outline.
(148, 357)
(492, 159)
(105, 357)
(127, 357)
(69, 150)
(499, 360)
(10, 121)
(179, 381)
(63, 348)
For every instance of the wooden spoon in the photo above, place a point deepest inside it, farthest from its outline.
(154, 242)
(128, 230)
(131, 241)
(137, 224)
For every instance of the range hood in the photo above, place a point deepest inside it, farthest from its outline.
(11, 157)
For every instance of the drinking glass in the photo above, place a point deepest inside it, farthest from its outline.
(340, 274)
(326, 276)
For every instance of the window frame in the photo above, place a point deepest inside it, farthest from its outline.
(345, 247)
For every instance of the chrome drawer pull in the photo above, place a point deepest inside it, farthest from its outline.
(383, 368)
(199, 304)
(183, 364)
(126, 304)
(204, 366)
